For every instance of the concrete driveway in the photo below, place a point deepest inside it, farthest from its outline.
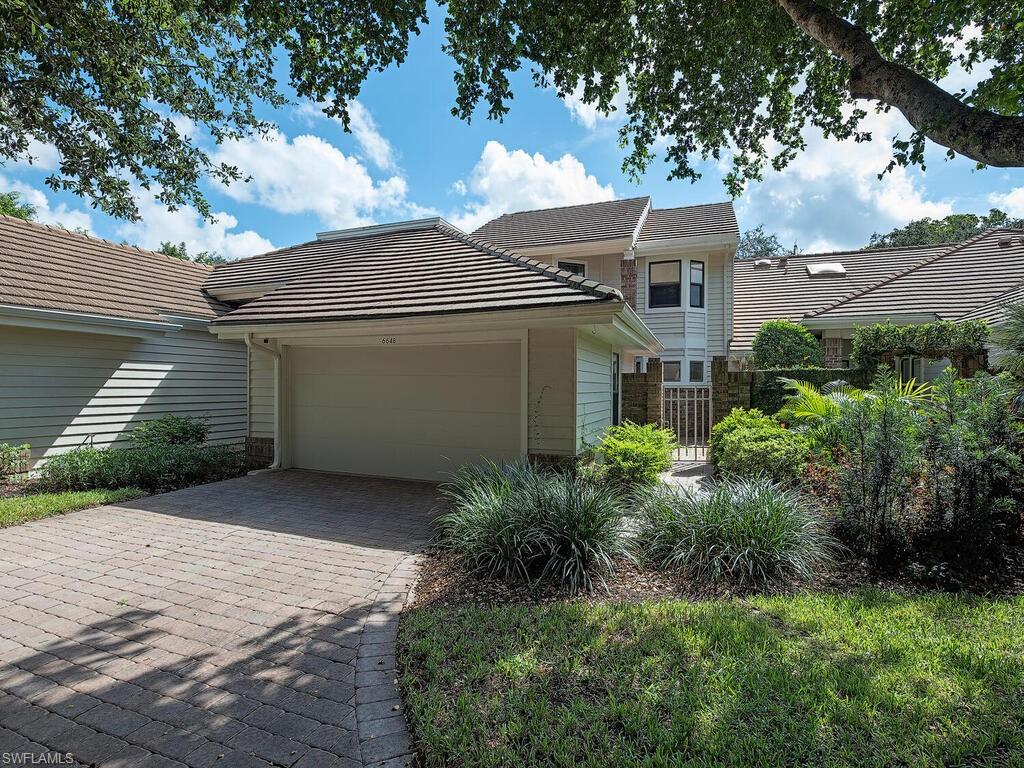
(242, 623)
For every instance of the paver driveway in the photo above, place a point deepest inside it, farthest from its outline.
(240, 623)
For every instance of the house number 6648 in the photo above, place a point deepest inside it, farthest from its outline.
(388, 340)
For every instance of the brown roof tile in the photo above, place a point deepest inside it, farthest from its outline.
(690, 221)
(50, 268)
(427, 268)
(608, 220)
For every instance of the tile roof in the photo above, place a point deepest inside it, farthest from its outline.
(994, 312)
(426, 268)
(787, 291)
(947, 285)
(690, 221)
(51, 268)
(609, 220)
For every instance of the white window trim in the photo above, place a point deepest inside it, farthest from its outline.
(682, 371)
(681, 306)
(583, 264)
(704, 370)
(704, 272)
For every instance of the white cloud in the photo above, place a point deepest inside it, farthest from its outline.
(830, 196)
(588, 114)
(157, 224)
(504, 181)
(1011, 202)
(308, 174)
(59, 215)
(374, 146)
(39, 156)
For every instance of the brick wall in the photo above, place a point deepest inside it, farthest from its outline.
(259, 451)
(643, 399)
(627, 275)
(729, 389)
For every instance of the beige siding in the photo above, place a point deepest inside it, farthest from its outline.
(593, 389)
(60, 389)
(716, 302)
(261, 394)
(551, 376)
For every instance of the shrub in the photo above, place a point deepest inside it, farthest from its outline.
(153, 469)
(942, 338)
(170, 430)
(10, 460)
(748, 443)
(635, 455)
(974, 469)
(785, 344)
(768, 390)
(515, 521)
(748, 532)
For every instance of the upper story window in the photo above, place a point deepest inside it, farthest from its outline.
(664, 284)
(697, 284)
(576, 267)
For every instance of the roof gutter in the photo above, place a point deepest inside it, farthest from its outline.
(63, 320)
(276, 463)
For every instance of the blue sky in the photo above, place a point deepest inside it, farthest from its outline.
(409, 157)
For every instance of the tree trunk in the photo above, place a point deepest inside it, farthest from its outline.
(981, 135)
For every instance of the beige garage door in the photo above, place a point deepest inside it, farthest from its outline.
(413, 412)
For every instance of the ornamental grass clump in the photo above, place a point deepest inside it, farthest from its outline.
(517, 522)
(750, 533)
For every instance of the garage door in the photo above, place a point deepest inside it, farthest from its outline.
(413, 412)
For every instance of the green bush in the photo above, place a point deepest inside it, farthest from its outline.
(748, 443)
(10, 459)
(170, 430)
(785, 344)
(516, 521)
(768, 391)
(942, 338)
(633, 455)
(153, 469)
(748, 532)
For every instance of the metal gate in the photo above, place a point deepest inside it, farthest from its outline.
(687, 412)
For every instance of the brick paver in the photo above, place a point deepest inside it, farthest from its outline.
(244, 623)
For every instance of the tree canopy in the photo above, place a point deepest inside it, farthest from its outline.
(122, 89)
(11, 204)
(954, 228)
(757, 244)
(180, 251)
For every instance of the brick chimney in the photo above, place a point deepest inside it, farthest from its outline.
(627, 267)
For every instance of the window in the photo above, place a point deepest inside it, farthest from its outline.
(665, 289)
(697, 284)
(575, 267)
(696, 370)
(910, 368)
(672, 371)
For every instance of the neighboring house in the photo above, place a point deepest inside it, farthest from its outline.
(96, 337)
(831, 293)
(408, 349)
(673, 265)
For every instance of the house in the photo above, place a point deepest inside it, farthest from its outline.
(673, 265)
(408, 349)
(96, 337)
(831, 293)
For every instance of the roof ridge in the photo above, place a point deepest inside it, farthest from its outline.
(572, 205)
(854, 252)
(693, 205)
(58, 230)
(906, 271)
(535, 265)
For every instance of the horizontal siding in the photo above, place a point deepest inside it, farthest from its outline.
(593, 389)
(715, 301)
(261, 394)
(60, 390)
(550, 427)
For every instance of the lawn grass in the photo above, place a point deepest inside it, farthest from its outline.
(868, 679)
(33, 506)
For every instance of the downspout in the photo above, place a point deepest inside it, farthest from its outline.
(276, 463)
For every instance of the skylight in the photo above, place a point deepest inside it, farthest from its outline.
(826, 268)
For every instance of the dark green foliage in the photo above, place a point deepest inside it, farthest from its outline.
(10, 459)
(942, 338)
(171, 430)
(515, 521)
(11, 204)
(748, 532)
(180, 251)
(785, 344)
(748, 443)
(757, 244)
(632, 454)
(768, 388)
(1009, 339)
(975, 476)
(954, 228)
(155, 468)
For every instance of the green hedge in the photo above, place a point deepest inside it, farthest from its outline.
(942, 338)
(767, 393)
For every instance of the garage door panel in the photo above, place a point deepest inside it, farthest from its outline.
(416, 412)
